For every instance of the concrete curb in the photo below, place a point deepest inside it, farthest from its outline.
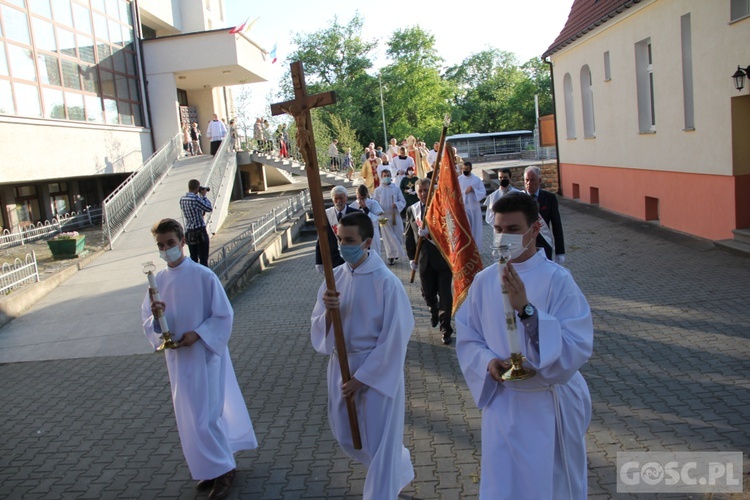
(261, 259)
(17, 303)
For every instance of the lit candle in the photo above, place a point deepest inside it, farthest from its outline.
(514, 337)
(157, 298)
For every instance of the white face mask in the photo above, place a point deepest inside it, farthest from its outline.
(514, 242)
(171, 255)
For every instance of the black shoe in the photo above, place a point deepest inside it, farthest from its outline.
(205, 484)
(434, 318)
(222, 486)
(390, 262)
(447, 339)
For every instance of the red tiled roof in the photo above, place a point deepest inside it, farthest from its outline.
(586, 15)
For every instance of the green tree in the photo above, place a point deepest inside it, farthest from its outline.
(493, 93)
(416, 96)
(342, 130)
(337, 58)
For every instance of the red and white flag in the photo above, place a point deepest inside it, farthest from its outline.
(244, 27)
(450, 229)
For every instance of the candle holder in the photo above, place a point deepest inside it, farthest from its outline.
(517, 371)
(382, 221)
(166, 338)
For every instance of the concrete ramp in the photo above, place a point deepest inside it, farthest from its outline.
(97, 311)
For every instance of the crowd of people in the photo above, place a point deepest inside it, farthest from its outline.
(532, 430)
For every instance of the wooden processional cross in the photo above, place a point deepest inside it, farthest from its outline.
(299, 108)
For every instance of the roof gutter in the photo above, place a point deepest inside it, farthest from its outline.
(554, 110)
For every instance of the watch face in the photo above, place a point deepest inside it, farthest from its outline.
(528, 310)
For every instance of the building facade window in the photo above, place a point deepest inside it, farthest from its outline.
(687, 72)
(570, 120)
(607, 68)
(59, 200)
(57, 57)
(644, 73)
(739, 9)
(27, 206)
(587, 102)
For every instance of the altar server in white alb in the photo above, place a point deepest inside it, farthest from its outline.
(474, 191)
(392, 200)
(532, 430)
(377, 322)
(373, 209)
(212, 419)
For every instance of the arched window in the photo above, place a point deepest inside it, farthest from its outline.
(570, 120)
(587, 102)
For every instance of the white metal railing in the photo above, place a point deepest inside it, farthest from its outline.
(123, 204)
(225, 258)
(86, 217)
(217, 174)
(16, 274)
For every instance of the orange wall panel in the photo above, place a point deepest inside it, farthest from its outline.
(709, 206)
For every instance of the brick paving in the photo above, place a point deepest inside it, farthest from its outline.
(670, 371)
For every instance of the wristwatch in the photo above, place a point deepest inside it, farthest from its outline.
(527, 311)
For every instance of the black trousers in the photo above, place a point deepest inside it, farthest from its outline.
(199, 250)
(215, 147)
(437, 292)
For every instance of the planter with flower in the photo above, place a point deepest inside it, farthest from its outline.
(67, 245)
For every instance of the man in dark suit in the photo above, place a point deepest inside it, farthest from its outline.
(549, 212)
(434, 272)
(334, 214)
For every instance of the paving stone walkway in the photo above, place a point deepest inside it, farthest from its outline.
(670, 371)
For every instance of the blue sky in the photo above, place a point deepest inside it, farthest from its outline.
(524, 27)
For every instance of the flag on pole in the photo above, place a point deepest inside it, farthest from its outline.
(273, 54)
(244, 27)
(450, 229)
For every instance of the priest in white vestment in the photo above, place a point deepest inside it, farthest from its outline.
(474, 192)
(377, 322)
(212, 418)
(392, 200)
(533, 431)
(505, 188)
(373, 209)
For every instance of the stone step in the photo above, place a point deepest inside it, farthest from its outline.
(734, 246)
(742, 235)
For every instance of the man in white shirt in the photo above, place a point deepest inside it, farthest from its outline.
(216, 132)
(333, 155)
(432, 154)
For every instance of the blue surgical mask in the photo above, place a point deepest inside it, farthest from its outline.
(351, 253)
(171, 255)
(386, 180)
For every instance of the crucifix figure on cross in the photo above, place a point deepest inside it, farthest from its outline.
(299, 108)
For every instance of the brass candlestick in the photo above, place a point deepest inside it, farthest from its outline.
(166, 338)
(516, 371)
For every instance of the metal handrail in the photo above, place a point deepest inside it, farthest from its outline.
(217, 173)
(223, 260)
(123, 204)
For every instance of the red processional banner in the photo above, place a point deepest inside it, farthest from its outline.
(450, 229)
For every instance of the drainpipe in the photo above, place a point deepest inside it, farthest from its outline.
(554, 110)
(144, 83)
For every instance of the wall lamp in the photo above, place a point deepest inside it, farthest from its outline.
(739, 77)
